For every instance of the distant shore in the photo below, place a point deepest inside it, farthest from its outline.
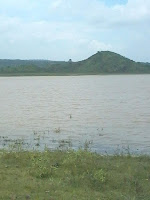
(104, 62)
(66, 74)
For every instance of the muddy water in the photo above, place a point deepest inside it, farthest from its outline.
(109, 111)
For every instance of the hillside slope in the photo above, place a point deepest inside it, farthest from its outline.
(102, 62)
(109, 62)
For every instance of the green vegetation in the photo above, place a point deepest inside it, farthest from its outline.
(69, 174)
(104, 62)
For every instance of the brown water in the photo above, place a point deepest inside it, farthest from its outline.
(108, 110)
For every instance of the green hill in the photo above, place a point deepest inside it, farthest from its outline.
(109, 62)
(104, 62)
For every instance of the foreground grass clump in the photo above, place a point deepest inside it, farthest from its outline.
(65, 175)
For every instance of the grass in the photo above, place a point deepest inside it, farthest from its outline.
(65, 175)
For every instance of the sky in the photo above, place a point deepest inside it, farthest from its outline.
(74, 29)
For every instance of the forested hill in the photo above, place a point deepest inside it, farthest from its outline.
(17, 62)
(103, 62)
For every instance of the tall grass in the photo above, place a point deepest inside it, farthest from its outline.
(69, 174)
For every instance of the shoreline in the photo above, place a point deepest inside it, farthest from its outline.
(68, 74)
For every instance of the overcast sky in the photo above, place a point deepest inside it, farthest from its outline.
(63, 29)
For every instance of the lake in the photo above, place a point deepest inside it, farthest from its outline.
(109, 112)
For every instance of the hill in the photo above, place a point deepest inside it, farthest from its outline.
(104, 62)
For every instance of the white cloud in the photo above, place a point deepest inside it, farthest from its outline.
(134, 13)
(56, 3)
(99, 46)
(55, 28)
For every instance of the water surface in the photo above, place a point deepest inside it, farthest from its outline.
(108, 110)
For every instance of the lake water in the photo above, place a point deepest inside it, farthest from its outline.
(109, 112)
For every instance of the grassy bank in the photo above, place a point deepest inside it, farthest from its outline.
(65, 175)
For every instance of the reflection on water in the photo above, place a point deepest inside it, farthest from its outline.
(108, 110)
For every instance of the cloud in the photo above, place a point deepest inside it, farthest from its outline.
(56, 3)
(56, 28)
(134, 13)
(96, 45)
